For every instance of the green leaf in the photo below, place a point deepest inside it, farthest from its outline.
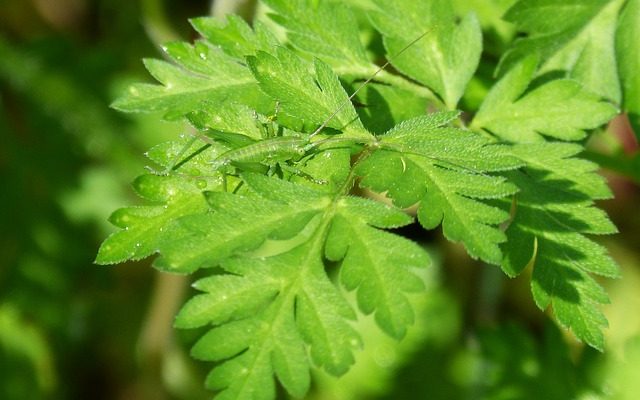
(324, 29)
(558, 160)
(256, 347)
(560, 109)
(201, 72)
(445, 171)
(266, 341)
(445, 59)
(146, 228)
(323, 315)
(497, 32)
(384, 106)
(576, 36)
(234, 36)
(229, 297)
(377, 264)
(304, 89)
(188, 158)
(244, 222)
(548, 230)
(235, 118)
(286, 245)
(628, 57)
(373, 213)
(277, 308)
(331, 166)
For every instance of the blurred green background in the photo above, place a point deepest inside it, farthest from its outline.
(72, 330)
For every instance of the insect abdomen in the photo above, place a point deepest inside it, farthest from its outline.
(273, 149)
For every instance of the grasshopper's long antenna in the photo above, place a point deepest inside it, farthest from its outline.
(369, 79)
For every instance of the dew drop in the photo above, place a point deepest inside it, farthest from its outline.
(138, 245)
(201, 183)
(203, 55)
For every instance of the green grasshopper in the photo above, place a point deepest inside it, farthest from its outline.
(275, 150)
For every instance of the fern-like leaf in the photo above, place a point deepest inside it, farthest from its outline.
(277, 305)
(445, 170)
(448, 55)
(561, 109)
(576, 36)
(145, 228)
(552, 216)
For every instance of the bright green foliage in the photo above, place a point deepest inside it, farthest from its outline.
(145, 228)
(325, 30)
(234, 35)
(202, 73)
(229, 120)
(244, 221)
(284, 235)
(449, 53)
(315, 96)
(551, 236)
(561, 108)
(272, 305)
(576, 36)
(445, 170)
(375, 262)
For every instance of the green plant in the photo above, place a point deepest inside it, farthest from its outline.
(282, 227)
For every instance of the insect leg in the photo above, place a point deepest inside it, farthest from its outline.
(174, 162)
(237, 188)
(224, 181)
(293, 170)
(269, 126)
